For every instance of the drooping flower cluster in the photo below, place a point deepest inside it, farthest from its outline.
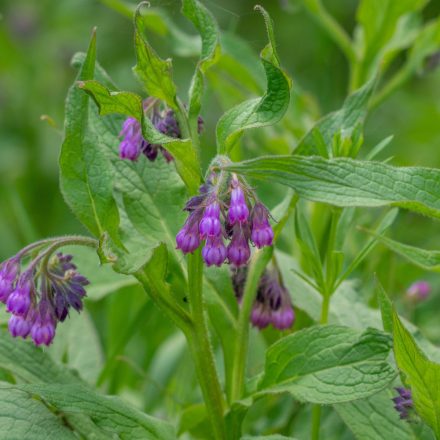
(418, 291)
(272, 304)
(403, 402)
(223, 211)
(133, 143)
(41, 296)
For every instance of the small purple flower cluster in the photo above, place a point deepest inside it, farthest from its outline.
(133, 143)
(272, 304)
(214, 217)
(403, 402)
(41, 296)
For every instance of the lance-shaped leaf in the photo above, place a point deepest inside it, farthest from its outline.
(130, 104)
(258, 112)
(428, 260)
(328, 364)
(205, 23)
(374, 418)
(85, 172)
(347, 182)
(110, 414)
(422, 375)
(319, 139)
(154, 73)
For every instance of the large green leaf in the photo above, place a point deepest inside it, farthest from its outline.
(428, 260)
(111, 414)
(422, 375)
(154, 73)
(374, 418)
(258, 112)
(205, 23)
(130, 104)
(345, 120)
(85, 172)
(347, 182)
(25, 418)
(328, 364)
(29, 363)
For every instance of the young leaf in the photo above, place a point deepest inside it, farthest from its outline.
(154, 73)
(25, 418)
(386, 308)
(85, 172)
(428, 260)
(374, 418)
(205, 23)
(130, 104)
(347, 182)
(328, 364)
(345, 120)
(111, 414)
(258, 112)
(422, 375)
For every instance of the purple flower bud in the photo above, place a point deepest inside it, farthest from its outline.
(210, 225)
(403, 402)
(283, 318)
(19, 326)
(130, 147)
(238, 249)
(262, 232)
(238, 211)
(188, 239)
(150, 150)
(8, 274)
(214, 251)
(19, 300)
(418, 291)
(43, 327)
(260, 316)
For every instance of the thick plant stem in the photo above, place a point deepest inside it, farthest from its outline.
(256, 268)
(201, 350)
(316, 422)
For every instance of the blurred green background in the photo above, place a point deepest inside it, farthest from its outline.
(37, 41)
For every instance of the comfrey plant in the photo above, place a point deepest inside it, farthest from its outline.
(249, 259)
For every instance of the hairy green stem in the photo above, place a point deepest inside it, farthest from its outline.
(201, 350)
(332, 27)
(256, 267)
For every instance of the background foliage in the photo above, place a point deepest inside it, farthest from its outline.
(145, 358)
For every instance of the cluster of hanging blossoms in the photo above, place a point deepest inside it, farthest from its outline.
(40, 296)
(226, 209)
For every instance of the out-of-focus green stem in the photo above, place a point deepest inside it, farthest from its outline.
(201, 350)
(256, 267)
(332, 27)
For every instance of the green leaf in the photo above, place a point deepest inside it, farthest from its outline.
(29, 363)
(205, 23)
(130, 104)
(25, 418)
(379, 19)
(266, 437)
(258, 112)
(386, 308)
(85, 172)
(111, 414)
(344, 121)
(347, 182)
(77, 344)
(154, 73)
(422, 375)
(428, 260)
(328, 364)
(374, 418)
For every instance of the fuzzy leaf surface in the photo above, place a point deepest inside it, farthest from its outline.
(328, 364)
(348, 182)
